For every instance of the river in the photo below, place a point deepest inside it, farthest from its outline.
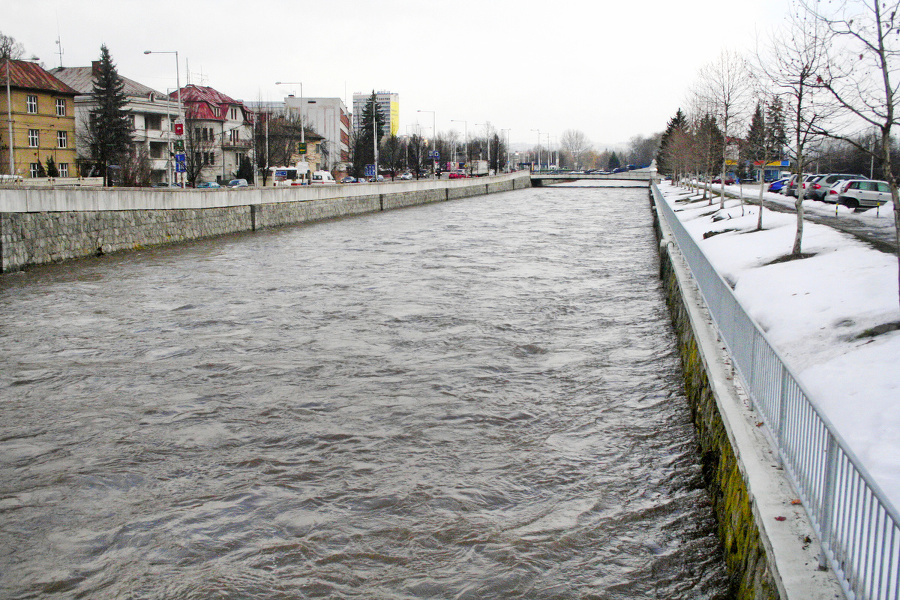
(472, 399)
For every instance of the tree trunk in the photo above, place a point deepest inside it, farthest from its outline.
(762, 188)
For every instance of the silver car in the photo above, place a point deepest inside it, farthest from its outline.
(858, 193)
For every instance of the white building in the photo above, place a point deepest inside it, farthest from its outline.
(220, 130)
(388, 105)
(329, 118)
(153, 115)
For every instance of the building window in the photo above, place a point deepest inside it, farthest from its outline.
(153, 122)
(235, 136)
(34, 169)
(33, 138)
(62, 139)
(209, 158)
(60, 107)
(63, 169)
(31, 104)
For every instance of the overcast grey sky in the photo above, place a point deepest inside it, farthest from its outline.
(611, 69)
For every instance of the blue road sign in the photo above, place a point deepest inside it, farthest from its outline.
(370, 170)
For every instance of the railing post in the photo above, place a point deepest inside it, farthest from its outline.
(828, 498)
(782, 409)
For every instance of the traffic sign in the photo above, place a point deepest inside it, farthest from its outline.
(180, 157)
(179, 128)
(301, 147)
(370, 170)
(180, 167)
(179, 145)
(435, 155)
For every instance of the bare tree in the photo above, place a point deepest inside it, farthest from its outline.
(860, 76)
(10, 48)
(575, 143)
(724, 84)
(795, 57)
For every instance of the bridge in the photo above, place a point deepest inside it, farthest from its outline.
(550, 177)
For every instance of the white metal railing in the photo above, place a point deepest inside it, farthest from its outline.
(857, 525)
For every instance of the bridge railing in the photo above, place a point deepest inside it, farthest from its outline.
(857, 525)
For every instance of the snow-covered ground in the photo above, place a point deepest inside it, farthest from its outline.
(813, 311)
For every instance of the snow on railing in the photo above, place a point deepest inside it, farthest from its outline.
(857, 525)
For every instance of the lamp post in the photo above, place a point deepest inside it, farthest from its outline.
(487, 137)
(538, 147)
(433, 134)
(466, 126)
(302, 128)
(177, 85)
(12, 160)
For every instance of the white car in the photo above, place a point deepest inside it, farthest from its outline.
(864, 193)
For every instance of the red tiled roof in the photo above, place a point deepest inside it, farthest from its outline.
(200, 102)
(28, 75)
(199, 93)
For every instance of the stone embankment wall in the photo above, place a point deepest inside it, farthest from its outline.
(770, 546)
(39, 226)
(745, 555)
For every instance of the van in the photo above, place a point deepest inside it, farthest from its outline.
(322, 177)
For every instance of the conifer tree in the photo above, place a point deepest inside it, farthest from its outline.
(110, 125)
(666, 155)
(364, 151)
(614, 162)
(52, 170)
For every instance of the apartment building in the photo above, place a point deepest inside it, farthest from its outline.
(40, 111)
(153, 115)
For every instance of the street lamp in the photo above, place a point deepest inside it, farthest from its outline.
(302, 128)
(433, 134)
(487, 136)
(177, 85)
(466, 126)
(538, 147)
(12, 160)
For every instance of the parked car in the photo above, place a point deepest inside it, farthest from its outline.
(208, 185)
(236, 183)
(457, 175)
(349, 179)
(864, 193)
(790, 189)
(379, 179)
(406, 176)
(776, 185)
(322, 178)
(821, 186)
(729, 180)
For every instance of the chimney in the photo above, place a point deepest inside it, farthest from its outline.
(95, 68)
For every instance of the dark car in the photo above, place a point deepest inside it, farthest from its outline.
(349, 179)
(790, 189)
(729, 180)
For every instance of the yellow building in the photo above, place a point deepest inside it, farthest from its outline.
(41, 110)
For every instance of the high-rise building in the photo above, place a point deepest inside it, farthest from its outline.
(388, 105)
